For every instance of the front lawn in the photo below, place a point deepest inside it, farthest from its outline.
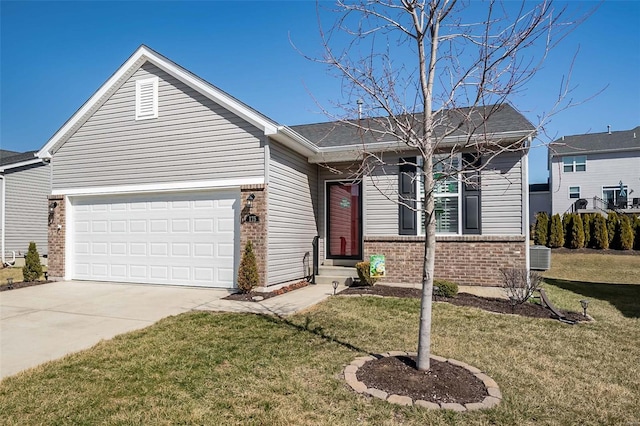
(223, 368)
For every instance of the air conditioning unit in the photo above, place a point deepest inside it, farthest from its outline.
(540, 258)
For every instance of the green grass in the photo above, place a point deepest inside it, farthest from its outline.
(222, 368)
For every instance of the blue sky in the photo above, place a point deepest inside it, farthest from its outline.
(54, 55)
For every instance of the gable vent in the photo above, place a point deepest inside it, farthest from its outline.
(147, 98)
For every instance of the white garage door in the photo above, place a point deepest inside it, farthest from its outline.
(169, 238)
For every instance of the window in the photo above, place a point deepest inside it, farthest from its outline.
(447, 195)
(574, 192)
(574, 164)
(615, 196)
(147, 98)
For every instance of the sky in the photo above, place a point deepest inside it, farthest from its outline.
(55, 55)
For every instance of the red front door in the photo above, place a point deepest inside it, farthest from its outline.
(344, 220)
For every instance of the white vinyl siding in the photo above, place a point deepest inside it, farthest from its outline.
(193, 138)
(292, 211)
(147, 98)
(26, 208)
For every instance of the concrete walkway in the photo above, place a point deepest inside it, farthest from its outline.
(46, 322)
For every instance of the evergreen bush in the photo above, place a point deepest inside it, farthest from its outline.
(248, 271)
(625, 233)
(636, 228)
(566, 228)
(612, 227)
(541, 231)
(32, 267)
(577, 232)
(446, 288)
(600, 234)
(556, 232)
(587, 219)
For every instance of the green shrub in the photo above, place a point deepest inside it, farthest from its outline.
(587, 219)
(364, 273)
(636, 228)
(566, 228)
(556, 233)
(541, 230)
(625, 233)
(446, 288)
(576, 236)
(248, 271)
(612, 227)
(600, 234)
(32, 267)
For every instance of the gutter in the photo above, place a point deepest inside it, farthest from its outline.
(21, 164)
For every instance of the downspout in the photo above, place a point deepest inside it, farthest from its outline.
(3, 221)
(525, 203)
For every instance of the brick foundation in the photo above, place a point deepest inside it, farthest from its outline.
(466, 259)
(56, 236)
(256, 232)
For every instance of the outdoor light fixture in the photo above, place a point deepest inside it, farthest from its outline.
(250, 199)
(52, 206)
(585, 305)
(435, 292)
(10, 283)
(335, 287)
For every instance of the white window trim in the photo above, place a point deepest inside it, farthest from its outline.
(579, 192)
(421, 230)
(574, 163)
(140, 115)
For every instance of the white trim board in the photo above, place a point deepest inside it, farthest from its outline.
(160, 187)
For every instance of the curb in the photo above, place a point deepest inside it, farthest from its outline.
(493, 390)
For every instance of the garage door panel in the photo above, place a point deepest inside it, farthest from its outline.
(175, 238)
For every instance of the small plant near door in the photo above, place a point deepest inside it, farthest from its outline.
(364, 269)
(32, 267)
(248, 271)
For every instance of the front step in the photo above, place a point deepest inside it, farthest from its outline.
(343, 274)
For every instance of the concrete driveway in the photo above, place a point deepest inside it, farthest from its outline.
(46, 322)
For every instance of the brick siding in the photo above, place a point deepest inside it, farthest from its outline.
(56, 236)
(467, 259)
(256, 232)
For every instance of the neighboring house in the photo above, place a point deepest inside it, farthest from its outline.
(539, 200)
(160, 177)
(24, 187)
(600, 169)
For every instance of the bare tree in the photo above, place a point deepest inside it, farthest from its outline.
(429, 75)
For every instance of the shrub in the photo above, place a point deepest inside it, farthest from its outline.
(364, 269)
(636, 227)
(248, 270)
(576, 240)
(446, 288)
(625, 233)
(612, 226)
(556, 233)
(32, 267)
(520, 283)
(600, 234)
(541, 230)
(566, 228)
(587, 219)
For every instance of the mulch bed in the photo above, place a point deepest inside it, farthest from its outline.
(443, 383)
(22, 284)
(491, 304)
(258, 296)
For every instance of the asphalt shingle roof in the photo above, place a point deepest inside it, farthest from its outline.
(597, 142)
(501, 118)
(16, 157)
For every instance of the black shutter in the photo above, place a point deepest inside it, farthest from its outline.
(471, 200)
(407, 191)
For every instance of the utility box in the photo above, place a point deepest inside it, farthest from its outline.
(539, 258)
